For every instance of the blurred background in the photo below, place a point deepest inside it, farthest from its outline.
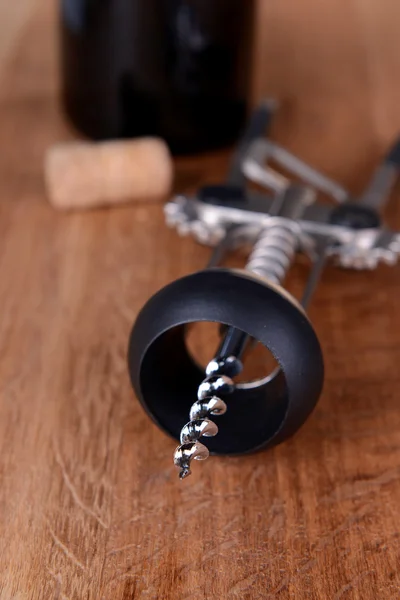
(333, 65)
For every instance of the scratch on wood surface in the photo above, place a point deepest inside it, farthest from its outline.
(151, 556)
(58, 581)
(322, 545)
(127, 576)
(149, 513)
(308, 565)
(122, 549)
(283, 584)
(276, 525)
(215, 552)
(70, 555)
(194, 564)
(59, 595)
(144, 560)
(230, 523)
(74, 493)
(351, 585)
(360, 488)
(188, 513)
(290, 580)
(243, 585)
(259, 471)
(346, 525)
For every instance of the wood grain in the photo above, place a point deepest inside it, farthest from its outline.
(90, 506)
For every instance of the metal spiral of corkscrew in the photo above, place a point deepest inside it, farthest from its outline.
(271, 258)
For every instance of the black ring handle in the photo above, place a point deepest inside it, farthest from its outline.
(166, 378)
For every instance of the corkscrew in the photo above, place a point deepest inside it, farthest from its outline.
(251, 306)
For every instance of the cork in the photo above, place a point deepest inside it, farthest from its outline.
(83, 175)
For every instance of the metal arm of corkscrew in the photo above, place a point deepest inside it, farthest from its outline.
(227, 362)
(252, 303)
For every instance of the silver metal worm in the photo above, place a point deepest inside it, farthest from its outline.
(271, 258)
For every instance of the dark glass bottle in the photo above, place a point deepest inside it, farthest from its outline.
(174, 68)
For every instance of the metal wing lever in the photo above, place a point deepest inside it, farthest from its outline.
(366, 241)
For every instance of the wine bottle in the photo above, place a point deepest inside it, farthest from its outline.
(179, 69)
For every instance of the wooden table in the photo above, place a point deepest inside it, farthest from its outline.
(91, 507)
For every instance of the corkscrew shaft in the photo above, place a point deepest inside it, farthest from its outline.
(271, 258)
